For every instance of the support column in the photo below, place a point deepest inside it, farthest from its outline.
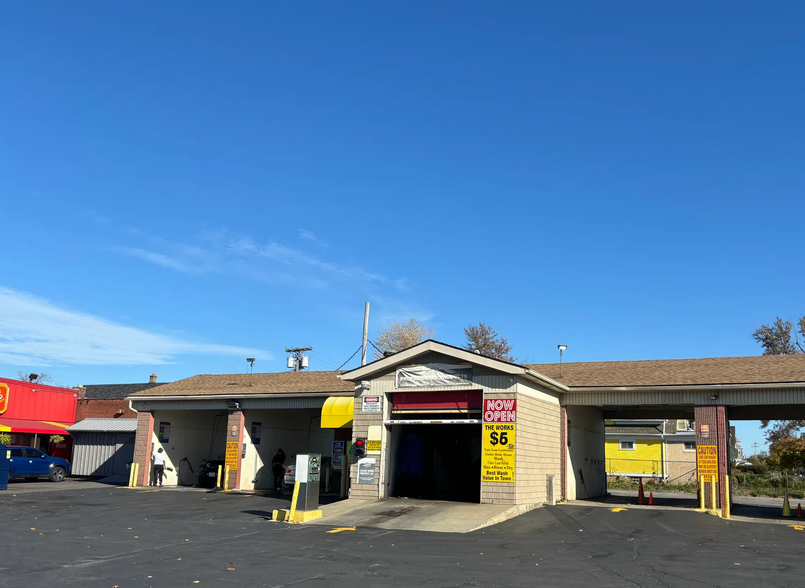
(563, 453)
(142, 447)
(712, 429)
(234, 434)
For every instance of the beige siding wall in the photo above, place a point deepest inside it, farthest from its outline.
(538, 448)
(681, 463)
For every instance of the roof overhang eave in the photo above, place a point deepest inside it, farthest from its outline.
(175, 397)
(758, 386)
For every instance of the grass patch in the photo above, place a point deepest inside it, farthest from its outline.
(742, 485)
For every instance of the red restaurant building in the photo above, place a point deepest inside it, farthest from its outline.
(33, 413)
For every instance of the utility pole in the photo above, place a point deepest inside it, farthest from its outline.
(365, 333)
(298, 358)
(754, 445)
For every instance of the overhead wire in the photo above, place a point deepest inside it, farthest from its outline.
(350, 358)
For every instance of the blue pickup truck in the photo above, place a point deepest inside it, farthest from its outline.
(27, 462)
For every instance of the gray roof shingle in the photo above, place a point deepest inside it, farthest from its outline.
(117, 391)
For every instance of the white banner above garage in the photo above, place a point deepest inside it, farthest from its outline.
(434, 375)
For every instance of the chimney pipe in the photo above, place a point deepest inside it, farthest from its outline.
(152, 379)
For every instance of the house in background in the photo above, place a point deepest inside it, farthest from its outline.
(651, 448)
(103, 436)
(108, 401)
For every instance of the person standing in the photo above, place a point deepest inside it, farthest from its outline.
(158, 460)
(278, 467)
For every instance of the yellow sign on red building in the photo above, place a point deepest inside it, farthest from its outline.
(232, 452)
(3, 398)
(707, 460)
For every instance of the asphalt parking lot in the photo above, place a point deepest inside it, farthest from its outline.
(106, 537)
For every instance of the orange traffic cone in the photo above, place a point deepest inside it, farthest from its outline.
(799, 511)
(641, 497)
(651, 497)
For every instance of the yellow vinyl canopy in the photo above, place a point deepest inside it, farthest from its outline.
(337, 412)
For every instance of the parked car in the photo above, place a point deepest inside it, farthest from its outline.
(208, 473)
(290, 475)
(27, 462)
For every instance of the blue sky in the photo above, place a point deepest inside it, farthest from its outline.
(183, 185)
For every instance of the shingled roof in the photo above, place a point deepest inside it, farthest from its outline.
(663, 372)
(116, 391)
(759, 369)
(244, 384)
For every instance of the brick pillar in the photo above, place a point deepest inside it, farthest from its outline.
(142, 446)
(712, 428)
(563, 453)
(234, 434)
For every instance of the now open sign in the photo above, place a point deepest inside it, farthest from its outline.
(500, 410)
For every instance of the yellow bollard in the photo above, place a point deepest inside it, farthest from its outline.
(131, 475)
(218, 480)
(226, 479)
(713, 499)
(136, 474)
(726, 496)
(702, 490)
(293, 503)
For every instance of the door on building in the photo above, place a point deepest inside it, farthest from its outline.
(436, 461)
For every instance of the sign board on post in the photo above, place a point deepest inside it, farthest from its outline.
(371, 404)
(500, 429)
(366, 470)
(164, 432)
(232, 452)
(707, 460)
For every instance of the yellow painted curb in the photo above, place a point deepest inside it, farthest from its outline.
(285, 515)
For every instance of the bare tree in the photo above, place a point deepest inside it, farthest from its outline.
(402, 335)
(34, 377)
(775, 338)
(486, 341)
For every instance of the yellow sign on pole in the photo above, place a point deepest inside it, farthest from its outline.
(707, 460)
(232, 452)
(498, 452)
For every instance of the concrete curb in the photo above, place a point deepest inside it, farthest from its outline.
(509, 513)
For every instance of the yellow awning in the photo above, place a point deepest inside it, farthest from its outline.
(337, 412)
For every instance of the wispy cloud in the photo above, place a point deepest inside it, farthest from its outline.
(157, 258)
(34, 331)
(309, 236)
(226, 253)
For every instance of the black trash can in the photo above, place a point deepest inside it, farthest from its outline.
(5, 454)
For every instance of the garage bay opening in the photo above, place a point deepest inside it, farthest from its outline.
(435, 446)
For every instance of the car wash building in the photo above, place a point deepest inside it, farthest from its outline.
(447, 424)
(440, 422)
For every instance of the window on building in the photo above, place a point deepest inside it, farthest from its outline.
(690, 445)
(627, 445)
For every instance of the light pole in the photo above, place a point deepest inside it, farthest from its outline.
(562, 349)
